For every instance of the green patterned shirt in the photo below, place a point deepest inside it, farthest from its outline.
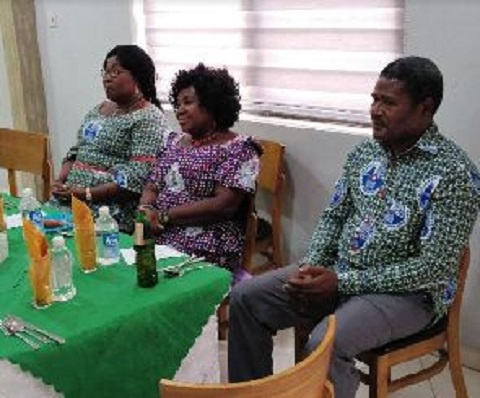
(117, 148)
(399, 225)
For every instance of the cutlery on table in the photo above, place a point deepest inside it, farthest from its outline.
(179, 269)
(9, 332)
(19, 327)
(29, 328)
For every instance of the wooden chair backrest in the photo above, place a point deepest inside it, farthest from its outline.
(307, 379)
(27, 152)
(271, 174)
(250, 235)
(455, 307)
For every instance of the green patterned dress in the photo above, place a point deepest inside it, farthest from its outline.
(118, 148)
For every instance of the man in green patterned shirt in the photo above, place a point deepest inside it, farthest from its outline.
(384, 255)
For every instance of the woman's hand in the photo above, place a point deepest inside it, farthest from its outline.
(64, 192)
(61, 191)
(153, 219)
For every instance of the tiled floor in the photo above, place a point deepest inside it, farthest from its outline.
(438, 387)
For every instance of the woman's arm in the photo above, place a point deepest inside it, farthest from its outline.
(66, 167)
(222, 206)
(100, 193)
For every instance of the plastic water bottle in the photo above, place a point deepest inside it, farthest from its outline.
(3, 234)
(108, 245)
(3, 243)
(31, 209)
(62, 283)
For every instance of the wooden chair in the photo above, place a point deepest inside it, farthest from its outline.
(28, 152)
(250, 234)
(307, 379)
(271, 179)
(442, 337)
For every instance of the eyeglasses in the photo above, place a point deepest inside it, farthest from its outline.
(113, 73)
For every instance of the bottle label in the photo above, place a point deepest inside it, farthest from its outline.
(36, 217)
(111, 244)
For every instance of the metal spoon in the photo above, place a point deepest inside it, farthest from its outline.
(173, 271)
(17, 326)
(26, 340)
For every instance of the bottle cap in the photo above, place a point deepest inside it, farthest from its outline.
(58, 241)
(104, 211)
(27, 192)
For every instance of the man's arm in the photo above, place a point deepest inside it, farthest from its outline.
(450, 219)
(323, 246)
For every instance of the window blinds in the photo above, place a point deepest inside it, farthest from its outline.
(300, 58)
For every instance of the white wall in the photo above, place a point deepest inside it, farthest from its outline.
(5, 105)
(447, 31)
(72, 57)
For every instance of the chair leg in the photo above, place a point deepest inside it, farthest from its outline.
(379, 375)
(455, 364)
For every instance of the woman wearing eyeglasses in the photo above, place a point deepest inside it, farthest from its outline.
(118, 139)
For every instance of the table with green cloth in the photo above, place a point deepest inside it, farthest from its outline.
(120, 338)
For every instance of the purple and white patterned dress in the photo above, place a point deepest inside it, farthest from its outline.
(185, 174)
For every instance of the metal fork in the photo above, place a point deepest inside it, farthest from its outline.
(19, 324)
(179, 269)
(15, 325)
(9, 332)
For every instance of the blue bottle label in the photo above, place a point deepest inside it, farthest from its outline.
(36, 217)
(111, 244)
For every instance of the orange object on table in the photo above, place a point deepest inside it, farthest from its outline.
(84, 231)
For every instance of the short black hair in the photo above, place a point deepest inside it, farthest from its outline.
(216, 90)
(421, 77)
(140, 65)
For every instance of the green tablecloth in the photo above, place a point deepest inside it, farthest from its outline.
(121, 339)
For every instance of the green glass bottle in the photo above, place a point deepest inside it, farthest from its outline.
(144, 245)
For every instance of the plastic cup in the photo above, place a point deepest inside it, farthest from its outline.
(86, 249)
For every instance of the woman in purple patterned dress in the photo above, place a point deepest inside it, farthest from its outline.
(198, 192)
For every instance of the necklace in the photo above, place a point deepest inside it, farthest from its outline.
(203, 140)
(133, 105)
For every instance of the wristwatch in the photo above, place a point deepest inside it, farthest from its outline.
(163, 217)
(88, 194)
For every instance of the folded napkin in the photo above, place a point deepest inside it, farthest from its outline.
(40, 267)
(14, 221)
(82, 215)
(161, 252)
(85, 241)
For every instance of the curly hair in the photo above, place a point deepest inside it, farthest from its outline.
(140, 65)
(217, 92)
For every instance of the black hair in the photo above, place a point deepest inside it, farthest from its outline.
(140, 65)
(421, 77)
(216, 90)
